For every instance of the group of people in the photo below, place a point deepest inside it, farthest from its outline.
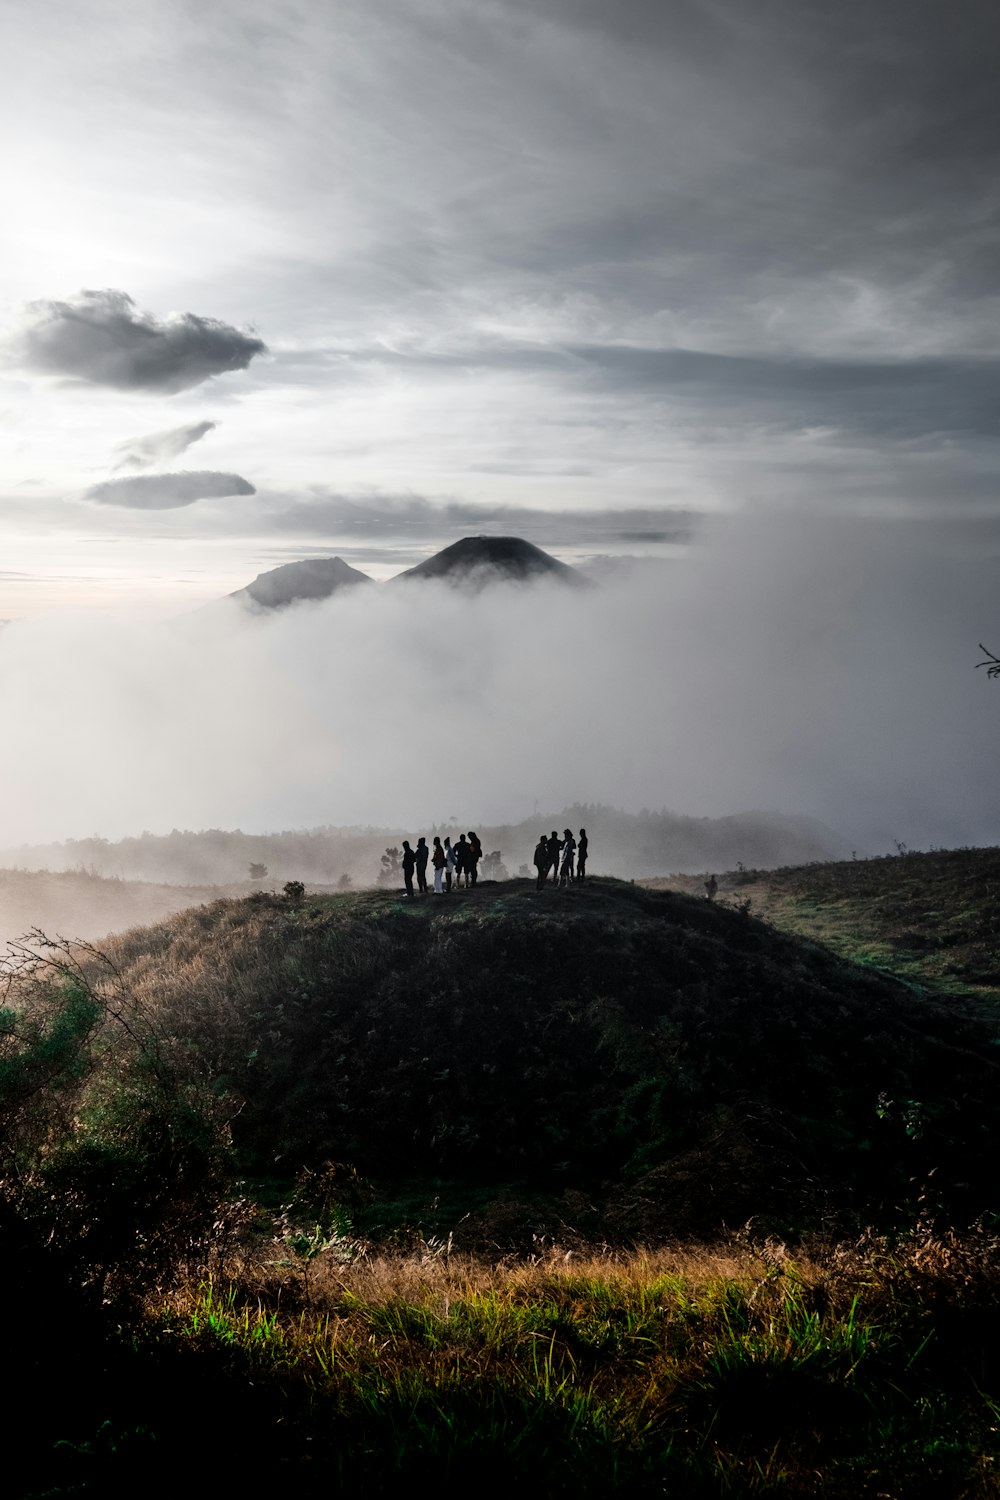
(448, 861)
(555, 856)
(565, 859)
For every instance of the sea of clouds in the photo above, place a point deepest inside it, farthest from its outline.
(805, 666)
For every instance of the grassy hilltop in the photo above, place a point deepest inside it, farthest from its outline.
(680, 1064)
(371, 1180)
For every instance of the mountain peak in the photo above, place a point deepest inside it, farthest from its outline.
(477, 560)
(313, 578)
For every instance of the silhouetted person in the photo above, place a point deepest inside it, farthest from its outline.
(449, 864)
(581, 855)
(711, 886)
(475, 854)
(423, 854)
(462, 852)
(554, 844)
(541, 862)
(409, 861)
(438, 860)
(568, 848)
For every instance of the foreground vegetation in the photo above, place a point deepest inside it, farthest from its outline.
(707, 1371)
(310, 1188)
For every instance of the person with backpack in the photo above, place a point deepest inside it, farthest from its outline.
(541, 862)
(475, 854)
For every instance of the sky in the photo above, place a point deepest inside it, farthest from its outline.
(685, 282)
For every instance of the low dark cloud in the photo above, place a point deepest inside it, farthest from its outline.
(167, 491)
(381, 516)
(889, 399)
(102, 337)
(160, 447)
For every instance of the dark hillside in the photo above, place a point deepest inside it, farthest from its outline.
(659, 1063)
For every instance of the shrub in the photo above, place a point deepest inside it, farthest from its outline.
(112, 1148)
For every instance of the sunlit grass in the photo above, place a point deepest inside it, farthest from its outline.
(735, 1371)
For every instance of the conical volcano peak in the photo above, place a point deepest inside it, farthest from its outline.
(478, 560)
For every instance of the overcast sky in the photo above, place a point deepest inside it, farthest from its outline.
(370, 274)
(706, 284)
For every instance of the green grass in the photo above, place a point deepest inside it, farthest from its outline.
(932, 918)
(699, 1372)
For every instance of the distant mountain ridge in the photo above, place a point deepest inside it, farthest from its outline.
(635, 846)
(472, 563)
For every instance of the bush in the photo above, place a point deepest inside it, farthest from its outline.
(113, 1151)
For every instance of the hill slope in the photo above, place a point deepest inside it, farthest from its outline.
(932, 917)
(665, 1065)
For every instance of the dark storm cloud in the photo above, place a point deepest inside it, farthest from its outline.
(167, 491)
(901, 399)
(892, 399)
(160, 447)
(103, 338)
(902, 92)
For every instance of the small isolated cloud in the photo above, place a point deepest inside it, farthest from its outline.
(160, 447)
(168, 491)
(103, 338)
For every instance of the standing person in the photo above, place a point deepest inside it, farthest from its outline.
(438, 860)
(475, 854)
(449, 864)
(711, 886)
(566, 868)
(554, 844)
(409, 860)
(581, 855)
(423, 854)
(541, 862)
(462, 852)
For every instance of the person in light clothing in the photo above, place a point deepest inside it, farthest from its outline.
(439, 860)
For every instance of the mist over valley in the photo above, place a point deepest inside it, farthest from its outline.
(804, 667)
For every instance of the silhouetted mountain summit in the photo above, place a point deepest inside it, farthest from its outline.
(313, 578)
(478, 560)
(472, 563)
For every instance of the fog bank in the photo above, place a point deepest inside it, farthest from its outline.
(804, 666)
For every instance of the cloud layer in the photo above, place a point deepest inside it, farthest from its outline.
(160, 447)
(167, 491)
(103, 338)
(818, 668)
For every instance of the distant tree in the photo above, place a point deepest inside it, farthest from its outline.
(992, 663)
(294, 890)
(258, 872)
(345, 882)
(389, 872)
(493, 867)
